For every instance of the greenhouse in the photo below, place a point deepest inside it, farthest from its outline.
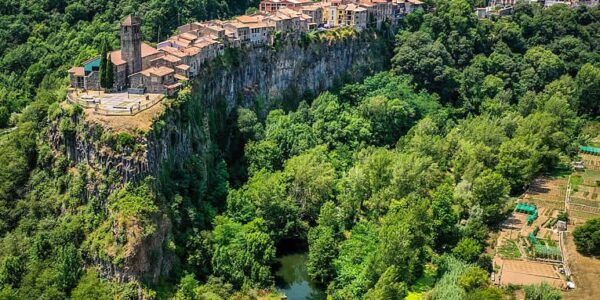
(529, 209)
(589, 150)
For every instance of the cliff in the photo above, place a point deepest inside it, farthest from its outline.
(198, 123)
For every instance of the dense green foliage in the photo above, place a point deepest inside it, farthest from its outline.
(587, 237)
(410, 167)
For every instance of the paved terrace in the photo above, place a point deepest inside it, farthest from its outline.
(113, 104)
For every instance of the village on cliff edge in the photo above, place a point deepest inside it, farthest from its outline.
(139, 68)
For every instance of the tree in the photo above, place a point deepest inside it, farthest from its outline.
(490, 293)
(186, 289)
(545, 66)
(489, 191)
(10, 271)
(265, 196)
(249, 125)
(467, 249)
(518, 162)
(109, 71)
(588, 89)
(587, 237)
(388, 287)
(322, 250)
(242, 253)
(427, 61)
(474, 278)
(404, 239)
(355, 262)
(389, 118)
(311, 181)
(92, 287)
(104, 65)
(443, 217)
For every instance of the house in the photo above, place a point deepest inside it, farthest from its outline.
(315, 12)
(271, 6)
(260, 31)
(155, 80)
(280, 22)
(88, 76)
(300, 21)
(356, 16)
(238, 30)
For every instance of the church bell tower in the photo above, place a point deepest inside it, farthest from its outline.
(131, 39)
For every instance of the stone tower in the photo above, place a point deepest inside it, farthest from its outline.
(131, 39)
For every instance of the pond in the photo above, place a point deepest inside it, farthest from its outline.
(292, 279)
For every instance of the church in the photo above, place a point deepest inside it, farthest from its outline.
(137, 66)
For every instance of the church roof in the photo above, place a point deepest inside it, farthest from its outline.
(117, 58)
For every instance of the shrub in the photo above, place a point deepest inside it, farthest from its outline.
(542, 291)
(125, 139)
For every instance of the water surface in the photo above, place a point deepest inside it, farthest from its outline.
(292, 279)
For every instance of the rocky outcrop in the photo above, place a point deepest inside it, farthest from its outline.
(259, 78)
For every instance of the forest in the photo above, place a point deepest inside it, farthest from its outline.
(384, 182)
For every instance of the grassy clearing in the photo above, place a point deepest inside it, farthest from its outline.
(423, 284)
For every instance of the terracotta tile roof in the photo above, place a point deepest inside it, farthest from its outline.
(148, 50)
(180, 77)
(203, 43)
(77, 71)
(260, 24)
(188, 36)
(171, 58)
(157, 71)
(173, 86)
(116, 59)
(247, 19)
(237, 24)
(191, 51)
(180, 42)
(174, 51)
(183, 67)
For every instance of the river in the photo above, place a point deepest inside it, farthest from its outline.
(292, 279)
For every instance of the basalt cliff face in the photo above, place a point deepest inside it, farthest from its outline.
(198, 124)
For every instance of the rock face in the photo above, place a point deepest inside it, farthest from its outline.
(291, 69)
(258, 78)
(263, 78)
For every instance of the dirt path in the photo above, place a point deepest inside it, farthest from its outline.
(585, 271)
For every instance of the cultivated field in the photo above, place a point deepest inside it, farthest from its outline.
(515, 261)
(584, 200)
